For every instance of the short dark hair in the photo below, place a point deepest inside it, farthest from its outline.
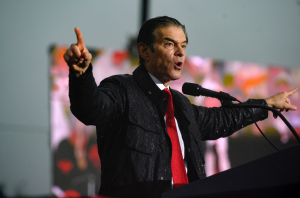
(147, 32)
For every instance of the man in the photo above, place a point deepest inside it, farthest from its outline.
(140, 155)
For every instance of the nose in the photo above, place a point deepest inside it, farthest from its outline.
(180, 51)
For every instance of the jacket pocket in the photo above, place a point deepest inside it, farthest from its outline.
(141, 140)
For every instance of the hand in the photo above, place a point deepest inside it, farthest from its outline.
(77, 56)
(281, 101)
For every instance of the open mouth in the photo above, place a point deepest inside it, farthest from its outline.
(178, 65)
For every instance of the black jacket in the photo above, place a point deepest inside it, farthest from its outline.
(133, 144)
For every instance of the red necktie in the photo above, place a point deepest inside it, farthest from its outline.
(177, 164)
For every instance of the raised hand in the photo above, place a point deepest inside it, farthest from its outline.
(77, 56)
(281, 100)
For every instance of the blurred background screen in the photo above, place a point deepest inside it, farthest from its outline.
(76, 164)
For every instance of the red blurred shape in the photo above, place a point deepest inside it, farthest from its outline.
(94, 157)
(70, 194)
(65, 166)
(119, 57)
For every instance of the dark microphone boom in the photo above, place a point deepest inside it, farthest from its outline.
(197, 90)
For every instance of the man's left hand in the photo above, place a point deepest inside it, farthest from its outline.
(281, 100)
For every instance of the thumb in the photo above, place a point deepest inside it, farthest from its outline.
(79, 36)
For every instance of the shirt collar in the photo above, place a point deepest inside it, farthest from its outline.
(159, 84)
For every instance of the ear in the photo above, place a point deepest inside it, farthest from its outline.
(144, 51)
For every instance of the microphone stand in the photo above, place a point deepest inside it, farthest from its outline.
(227, 103)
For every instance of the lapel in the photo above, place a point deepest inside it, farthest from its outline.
(179, 106)
(147, 85)
(144, 81)
(151, 90)
(185, 114)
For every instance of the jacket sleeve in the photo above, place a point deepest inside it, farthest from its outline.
(219, 122)
(92, 105)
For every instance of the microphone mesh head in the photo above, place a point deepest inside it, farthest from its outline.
(190, 89)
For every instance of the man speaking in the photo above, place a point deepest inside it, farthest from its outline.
(148, 134)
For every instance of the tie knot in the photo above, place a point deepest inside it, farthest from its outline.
(168, 93)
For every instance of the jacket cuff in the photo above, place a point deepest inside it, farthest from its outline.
(258, 113)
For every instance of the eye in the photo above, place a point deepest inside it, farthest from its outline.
(183, 46)
(169, 44)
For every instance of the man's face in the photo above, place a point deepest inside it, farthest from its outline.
(166, 62)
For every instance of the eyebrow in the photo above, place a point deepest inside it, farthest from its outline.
(172, 40)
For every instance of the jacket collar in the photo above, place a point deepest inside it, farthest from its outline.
(144, 81)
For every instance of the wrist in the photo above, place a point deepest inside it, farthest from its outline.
(269, 102)
(81, 74)
(86, 74)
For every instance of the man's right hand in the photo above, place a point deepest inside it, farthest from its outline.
(77, 56)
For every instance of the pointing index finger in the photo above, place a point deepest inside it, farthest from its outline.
(79, 36)
(291, 92)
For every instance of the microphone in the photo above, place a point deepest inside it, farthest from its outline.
(197, 90)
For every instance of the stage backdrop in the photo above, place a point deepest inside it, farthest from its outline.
(76, 165)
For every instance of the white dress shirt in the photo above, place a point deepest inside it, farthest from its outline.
(162, 87)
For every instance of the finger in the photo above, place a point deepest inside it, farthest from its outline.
(66, 57)
(290, 107)
(77, 68)
(76, 51)
(75, 60)
(69, 52)
(291, 92)
(83, 55)
(287, 100)
(87, 56)
(80, 60)
(79, 36)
